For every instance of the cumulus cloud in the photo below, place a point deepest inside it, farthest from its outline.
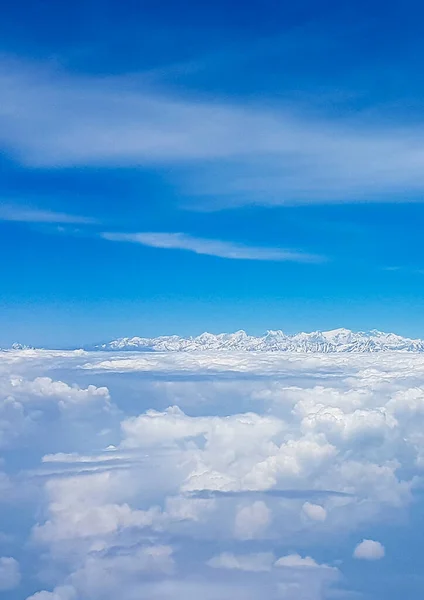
(82, 508)
(298, 562)
(45, 387)
(29, 404)
(63, 592)
(259, 462)
(369, 550)
(252, 520)
(322, 434)
(261, 561)
(10, 574)
(315, 512)
(222, 249)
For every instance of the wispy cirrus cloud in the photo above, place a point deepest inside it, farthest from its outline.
(21, 214)
(404, 270)
(210, 247)
(226, 153)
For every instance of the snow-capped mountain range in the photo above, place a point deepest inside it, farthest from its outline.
(336, 340)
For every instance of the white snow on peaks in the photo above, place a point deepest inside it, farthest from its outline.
(336, 340)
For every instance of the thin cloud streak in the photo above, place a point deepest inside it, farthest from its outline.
(221, 249)
(272, 493)
(19, 214)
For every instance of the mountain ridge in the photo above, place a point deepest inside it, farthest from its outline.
(335, 340)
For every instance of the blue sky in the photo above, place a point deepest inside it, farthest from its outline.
(179, 167)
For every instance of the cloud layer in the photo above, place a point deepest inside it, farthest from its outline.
(148, 480)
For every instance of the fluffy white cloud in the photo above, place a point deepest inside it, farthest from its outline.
(314, 511)
(28, 404)
(369, 550)
(87, 507)
(63, 592)
(296, 561)
(46, 388)
(173, 425)
(252, 520)
(10, 574)
(261, 561)
(256, 456)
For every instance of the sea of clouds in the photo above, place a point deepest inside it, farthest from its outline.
(212, 476)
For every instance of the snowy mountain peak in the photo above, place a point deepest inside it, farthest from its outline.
(335, 340)
(17, 346)
(337, 333)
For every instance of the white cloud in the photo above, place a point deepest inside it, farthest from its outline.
(172, 425)
(124, 572)
(145, 559)
(210, 247)
(72, 458)
(272, 453)
(253, 154)
(369, 550)
(252, 520)
(295, 561)
(86, 507)
(9, 212)
(63, 592)
(10, 574)
(314, 511)
(261, 561)
(27, 405)
(45, 387)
